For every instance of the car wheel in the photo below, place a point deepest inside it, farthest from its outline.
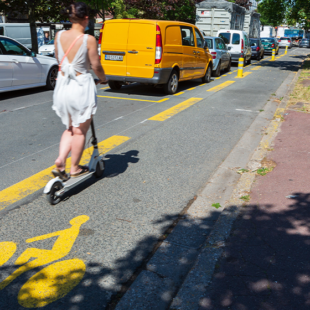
(51, 78)
(171, 86)
(115, 85)
(228, 67)
(217, 72)
(258, 58)
(263, 55)
(277, 52)
(249, 61)
(207, 76)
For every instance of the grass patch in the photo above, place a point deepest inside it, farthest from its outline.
(240, 171)
(245, 198)
(301, 92)
(261, 110)
(263, 171)
(216, 205)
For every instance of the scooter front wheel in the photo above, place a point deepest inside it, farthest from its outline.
(99, 168)
(52, 198)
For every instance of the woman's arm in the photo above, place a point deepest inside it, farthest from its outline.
(94, 59)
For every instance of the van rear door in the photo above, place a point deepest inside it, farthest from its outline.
(114, 47)
(141, 49)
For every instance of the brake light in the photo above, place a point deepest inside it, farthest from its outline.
(242, 46)
(272, 45)
(289, 41)
(99, 40)
(257, 48)
(213, 55)
(159, 46)
(279, 40)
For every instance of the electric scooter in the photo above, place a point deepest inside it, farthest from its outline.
(56, 187)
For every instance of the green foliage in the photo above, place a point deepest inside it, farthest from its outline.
(272, 12)
(120, 10)
(216, 205)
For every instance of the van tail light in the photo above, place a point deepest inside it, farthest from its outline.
(242, 46)
(289, 41)
(257, 49)
(280, 41)
(272, 45)
(159, 46)
(213, 55)
(99, 40)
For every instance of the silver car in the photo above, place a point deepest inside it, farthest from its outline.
(221, 56)
(285, 41)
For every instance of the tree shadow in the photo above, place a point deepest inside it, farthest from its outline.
(264, 266)
(23, 92)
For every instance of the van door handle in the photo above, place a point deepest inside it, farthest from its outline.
(132, 52)
(16, 61)
(198, 53)
(194, 52)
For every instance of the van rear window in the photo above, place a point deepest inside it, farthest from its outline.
(236, 39)
(209, 43)
(225, 36)
(1, 31)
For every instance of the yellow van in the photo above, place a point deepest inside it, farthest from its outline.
(153, 52)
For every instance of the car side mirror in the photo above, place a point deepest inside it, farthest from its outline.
(33, 54)
(229, 48)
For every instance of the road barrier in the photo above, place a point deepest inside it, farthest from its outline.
(286, 50)
(240, 67)
(273, 55)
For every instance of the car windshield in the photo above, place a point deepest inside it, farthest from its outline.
(304, 40)
(209, 43)
(50, 42)
(254, 42)
(267, 40)
(225, 36)
(284, 38)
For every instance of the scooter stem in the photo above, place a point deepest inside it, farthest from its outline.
(94, 139)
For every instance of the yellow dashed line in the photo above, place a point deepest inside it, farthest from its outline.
(221, 86)
(178, 94)
(162, 100)
(256, 68)
(174, 110)
(32, 184)
(244, 75)
(191, 88)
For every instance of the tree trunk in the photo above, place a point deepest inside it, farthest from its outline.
(34, 39)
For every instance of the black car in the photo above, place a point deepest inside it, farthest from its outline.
(304, 43)
(257, 49)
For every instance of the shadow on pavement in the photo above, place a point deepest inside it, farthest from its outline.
(23, 92)
(265, 266)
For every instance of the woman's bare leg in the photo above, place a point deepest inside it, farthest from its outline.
(78, 143)
(64, 149)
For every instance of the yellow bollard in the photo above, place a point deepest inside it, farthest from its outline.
(240, 67)
(286, 50)
(273, 55)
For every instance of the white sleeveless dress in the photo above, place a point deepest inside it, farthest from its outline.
(75, 97)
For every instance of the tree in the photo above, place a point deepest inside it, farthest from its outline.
(35, 10)
(299, 13)
(244, 3)
(272, 12)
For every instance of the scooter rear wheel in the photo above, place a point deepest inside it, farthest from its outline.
(99, 169)
(51, 196)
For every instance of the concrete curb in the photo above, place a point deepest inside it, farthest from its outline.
(185, 261)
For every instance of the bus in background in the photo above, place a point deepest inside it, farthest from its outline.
(296, 35)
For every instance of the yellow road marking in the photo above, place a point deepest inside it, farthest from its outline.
(162, 100)
(178, 94)
(221, 86)
(244, 75)
(32, 184)
(191, 88)
(224, 75)
(217, 78)
(105, 87)
(256, 68)
(203, 84)
(230, 73)
(174, 110)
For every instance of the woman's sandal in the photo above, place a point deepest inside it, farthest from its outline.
(84, 170)
(61, 174)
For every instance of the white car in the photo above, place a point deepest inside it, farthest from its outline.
(285, 41)
(21, 68)
(47, 49)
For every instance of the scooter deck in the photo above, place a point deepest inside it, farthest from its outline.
(74, 181)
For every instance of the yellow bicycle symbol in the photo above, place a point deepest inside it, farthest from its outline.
(54, 281)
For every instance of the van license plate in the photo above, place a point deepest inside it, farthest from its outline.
(114, 57)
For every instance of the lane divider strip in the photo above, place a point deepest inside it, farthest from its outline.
(37, 181)
(245, 74)
(162, 100)
(174, 110)
(221, 86)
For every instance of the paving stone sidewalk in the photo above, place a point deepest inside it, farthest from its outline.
(266, 261)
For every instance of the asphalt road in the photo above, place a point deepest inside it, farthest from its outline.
(148, 181)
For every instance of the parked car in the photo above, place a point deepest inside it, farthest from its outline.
(270, 44)
(154, 52)
(285, 41)
(238, 44)
(257, 49)
(48, 49)
(22, 68)
(220, 54)
(304, 43)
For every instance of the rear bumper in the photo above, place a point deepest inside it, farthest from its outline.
(161, 76)
(235, 57)
(255, 54)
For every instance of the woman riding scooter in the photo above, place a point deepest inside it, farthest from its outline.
(75, 95)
